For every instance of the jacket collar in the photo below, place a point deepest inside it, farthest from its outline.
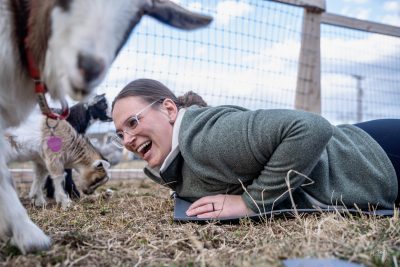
(169, 174)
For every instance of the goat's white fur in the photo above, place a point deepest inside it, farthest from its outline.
(96, 33)
(96, 27)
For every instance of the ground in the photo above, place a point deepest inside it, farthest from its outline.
(133, 226)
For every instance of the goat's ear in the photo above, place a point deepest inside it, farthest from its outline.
(176, 16)
(100, 162)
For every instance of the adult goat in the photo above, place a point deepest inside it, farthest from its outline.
(67, 45)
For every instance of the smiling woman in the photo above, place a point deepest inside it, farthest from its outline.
(144, 113)
(234, 162)
(131, 123)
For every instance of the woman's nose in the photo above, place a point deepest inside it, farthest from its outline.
(128, 139)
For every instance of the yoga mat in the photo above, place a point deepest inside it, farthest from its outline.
(182, 205)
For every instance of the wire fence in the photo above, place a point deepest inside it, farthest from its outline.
(360, 75)
(249, 56)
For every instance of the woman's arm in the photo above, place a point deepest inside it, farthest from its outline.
(279, 140)
(298, 142)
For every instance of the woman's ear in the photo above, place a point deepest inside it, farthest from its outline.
(171, 109)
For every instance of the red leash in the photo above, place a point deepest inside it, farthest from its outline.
(40, 89)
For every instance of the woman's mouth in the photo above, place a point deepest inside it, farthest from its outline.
(144, 148)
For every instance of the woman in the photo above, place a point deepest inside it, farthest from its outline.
(234, 162)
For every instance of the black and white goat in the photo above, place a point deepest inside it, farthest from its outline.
(81, 116)
(71, 44)
(31, 142)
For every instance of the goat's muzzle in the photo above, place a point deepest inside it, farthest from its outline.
(91, 188)
(90, 67)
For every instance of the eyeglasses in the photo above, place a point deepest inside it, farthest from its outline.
(129, 126)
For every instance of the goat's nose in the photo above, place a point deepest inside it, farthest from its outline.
(90, 67)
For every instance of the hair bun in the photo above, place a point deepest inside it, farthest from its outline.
(190, 99)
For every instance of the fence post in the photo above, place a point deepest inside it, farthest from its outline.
(308, 90)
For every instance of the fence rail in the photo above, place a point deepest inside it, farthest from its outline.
(358, 24)
(25, 176)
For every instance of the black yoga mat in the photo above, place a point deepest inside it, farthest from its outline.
(182, 205)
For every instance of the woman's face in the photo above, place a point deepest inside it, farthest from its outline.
(152, 137)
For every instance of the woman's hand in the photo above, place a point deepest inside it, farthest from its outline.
(218, 206)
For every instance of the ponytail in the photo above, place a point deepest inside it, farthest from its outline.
(191, 98)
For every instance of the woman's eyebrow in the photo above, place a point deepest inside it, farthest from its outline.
(129, 118)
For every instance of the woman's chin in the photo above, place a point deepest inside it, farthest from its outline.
(153, 165)
(152, 162)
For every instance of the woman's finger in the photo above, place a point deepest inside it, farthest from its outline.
(207, 207)
(200, 202)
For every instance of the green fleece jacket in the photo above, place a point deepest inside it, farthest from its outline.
(227, 148)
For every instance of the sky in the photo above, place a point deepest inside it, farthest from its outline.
(380, 53)
(248, 56)
(383, 11)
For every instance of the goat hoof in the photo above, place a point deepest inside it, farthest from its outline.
(29, 238)
(66, 204)
(39, 202)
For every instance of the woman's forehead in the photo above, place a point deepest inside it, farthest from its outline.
(126, 107)
(130, 104)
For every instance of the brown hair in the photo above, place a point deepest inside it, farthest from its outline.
(151, 90)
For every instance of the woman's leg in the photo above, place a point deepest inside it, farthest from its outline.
(387, 133)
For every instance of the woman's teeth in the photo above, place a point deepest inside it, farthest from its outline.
(142, 146)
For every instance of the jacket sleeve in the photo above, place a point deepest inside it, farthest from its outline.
(283, 140)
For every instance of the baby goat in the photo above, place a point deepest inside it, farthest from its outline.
(81, 116)
(31, 141)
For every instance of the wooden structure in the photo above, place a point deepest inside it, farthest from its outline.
(308, 89)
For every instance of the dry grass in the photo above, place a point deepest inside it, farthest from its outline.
(134, 227)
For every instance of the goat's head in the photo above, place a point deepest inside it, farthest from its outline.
(95, 176)
(84, 37)
(98, 108)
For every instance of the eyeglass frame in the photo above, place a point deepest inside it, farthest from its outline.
(117, 139)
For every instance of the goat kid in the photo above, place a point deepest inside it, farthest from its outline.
(84, 114)
(73, 56)
(29, 142)
(81, 116)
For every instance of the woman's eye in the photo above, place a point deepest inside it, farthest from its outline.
(132, 123)
(120, 135)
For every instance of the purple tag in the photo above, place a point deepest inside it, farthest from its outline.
(55, 143)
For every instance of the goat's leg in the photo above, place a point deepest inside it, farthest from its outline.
(49, 187)
(36, 192)
(56, 171)
(70, 186)
(14, 220)
(59, 193)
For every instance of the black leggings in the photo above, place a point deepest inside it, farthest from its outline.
(387, 133)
